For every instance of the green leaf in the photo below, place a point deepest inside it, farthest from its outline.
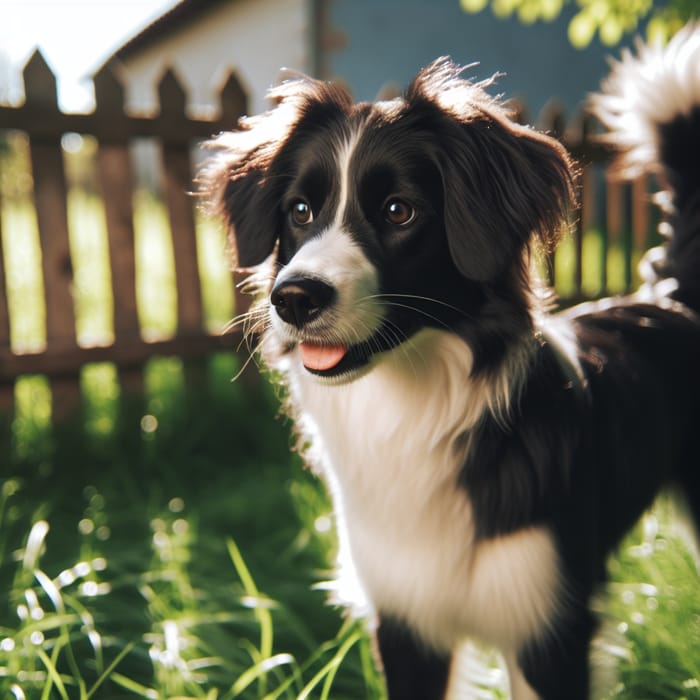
(473, 5)
(581, 30)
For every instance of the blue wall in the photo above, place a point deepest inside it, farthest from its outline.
(389, 40)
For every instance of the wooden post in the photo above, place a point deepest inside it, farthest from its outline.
(117, 186)
(233, 100)
(551, 120)
(178, 186)
(587, 211)
(613, 208)
(50, 194)
(640, 213)
(234, 104)
(6, 389)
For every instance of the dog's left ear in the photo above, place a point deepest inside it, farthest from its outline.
(503, 184)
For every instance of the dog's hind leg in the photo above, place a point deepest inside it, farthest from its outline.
(412, 671)
(558, 666)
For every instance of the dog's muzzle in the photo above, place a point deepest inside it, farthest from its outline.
(312, 312)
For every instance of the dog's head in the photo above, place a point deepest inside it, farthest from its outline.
(383, 219)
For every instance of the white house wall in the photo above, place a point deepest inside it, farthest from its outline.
(253, 37)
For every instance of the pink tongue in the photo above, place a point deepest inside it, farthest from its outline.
(321, 357)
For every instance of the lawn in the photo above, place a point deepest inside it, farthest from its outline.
(174, 554)
(171, 545)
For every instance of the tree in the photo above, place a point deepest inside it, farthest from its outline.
(610, 19)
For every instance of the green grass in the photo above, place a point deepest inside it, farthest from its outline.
(174, 555)
(170, 545)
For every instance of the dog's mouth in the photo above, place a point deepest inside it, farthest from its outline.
(317, 357)
(333, 360)
(336, 360)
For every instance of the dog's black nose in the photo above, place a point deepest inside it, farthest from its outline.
(300, 299)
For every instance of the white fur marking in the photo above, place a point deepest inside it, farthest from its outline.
(520, 689)
(388, 442)
(344, 156)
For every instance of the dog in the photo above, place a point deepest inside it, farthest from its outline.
(485, 454)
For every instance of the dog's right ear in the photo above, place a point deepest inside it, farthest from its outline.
(236, 188)
(245, 181)
(237, 183)
(246, 203)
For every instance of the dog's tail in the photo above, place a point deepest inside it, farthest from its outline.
(651, 105)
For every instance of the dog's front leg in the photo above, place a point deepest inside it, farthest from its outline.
(412, 671)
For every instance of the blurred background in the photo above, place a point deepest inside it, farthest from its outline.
(158, 536)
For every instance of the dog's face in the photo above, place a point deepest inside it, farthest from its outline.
(387, 218)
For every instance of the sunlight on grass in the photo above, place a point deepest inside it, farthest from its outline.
(100, 392)
(52, 626)
(653, 600)
(32, 418)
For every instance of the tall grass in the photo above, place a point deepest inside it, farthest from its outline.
(171, 546)
(174, 555)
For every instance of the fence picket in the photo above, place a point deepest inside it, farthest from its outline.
(177, 186)
(4, 309)
(117, 186)
(234, 103)
(232, 99)
(50, 199)
(640, 212)
(7, 391)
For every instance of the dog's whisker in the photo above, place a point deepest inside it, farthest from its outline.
(427, 315)
(243, 319)
(431, 300)
(252, 356)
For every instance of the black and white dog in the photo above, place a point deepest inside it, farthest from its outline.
(484, 455)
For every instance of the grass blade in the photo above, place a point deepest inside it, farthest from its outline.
(259, 669)
(262, 613)
(134, 686)
(330, 669)
(107, 672)
(54, 676)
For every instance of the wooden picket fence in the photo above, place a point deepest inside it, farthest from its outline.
(621, 211)
(114, 130)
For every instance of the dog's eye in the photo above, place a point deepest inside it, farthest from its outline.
(398, 212)
(300, 213)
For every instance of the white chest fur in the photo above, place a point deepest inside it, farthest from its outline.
(390, 450)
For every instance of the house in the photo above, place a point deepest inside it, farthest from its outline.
(204, 41)
(369, 44)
